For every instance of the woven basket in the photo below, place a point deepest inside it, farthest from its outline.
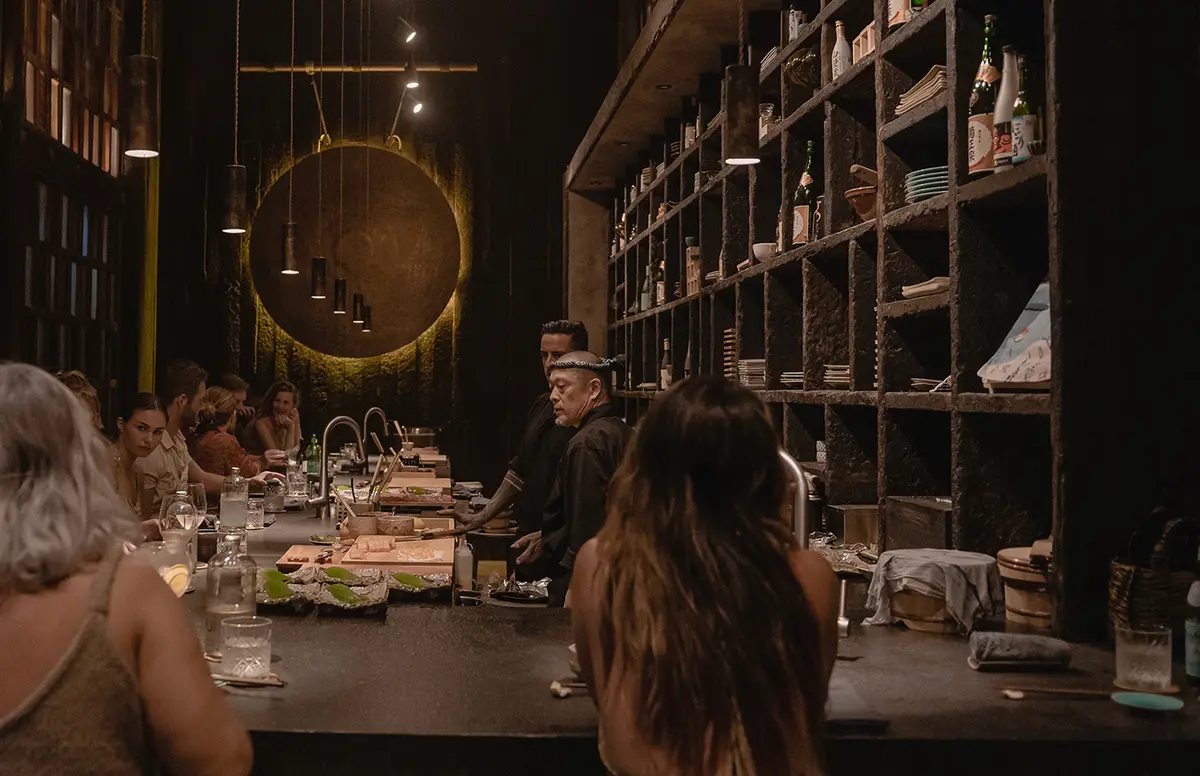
(1154, 594)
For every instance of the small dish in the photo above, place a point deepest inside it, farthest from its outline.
(763, 251)
(1146, 702)
(324, 541)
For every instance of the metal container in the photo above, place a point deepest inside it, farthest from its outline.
(422, 436)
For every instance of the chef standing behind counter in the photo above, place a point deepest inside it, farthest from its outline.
(532, 472)
(575, 510)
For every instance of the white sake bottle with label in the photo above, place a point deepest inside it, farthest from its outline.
(1002, 125)
(841, 52)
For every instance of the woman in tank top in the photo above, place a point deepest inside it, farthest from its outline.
(104, 673)
(705, 634)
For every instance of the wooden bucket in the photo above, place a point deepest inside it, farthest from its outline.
(921, 612)
(1026, 588)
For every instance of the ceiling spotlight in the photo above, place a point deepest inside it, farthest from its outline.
(417, 107)
(411, 33)
(410, 74)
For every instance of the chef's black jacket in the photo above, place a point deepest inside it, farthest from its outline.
(541, 449)
(575, 511)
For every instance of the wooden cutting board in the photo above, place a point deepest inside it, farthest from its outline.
(301, 555)
(419, 480)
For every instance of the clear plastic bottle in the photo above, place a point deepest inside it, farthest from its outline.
(235, 491)
(232, 580)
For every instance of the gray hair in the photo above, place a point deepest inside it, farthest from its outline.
(59, 508)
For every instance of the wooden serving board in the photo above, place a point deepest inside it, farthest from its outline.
(419, 480)
(396, 563)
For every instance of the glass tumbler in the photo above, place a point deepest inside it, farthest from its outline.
(246, 647)
(297, 479)
(254, 514)
(1144, 658)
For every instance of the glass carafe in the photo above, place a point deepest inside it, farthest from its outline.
(232, 579)
(234, 493)
(177, 511)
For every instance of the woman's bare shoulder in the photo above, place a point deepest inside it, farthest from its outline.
(815, 575)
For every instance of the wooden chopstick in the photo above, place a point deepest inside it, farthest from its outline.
(265, 681)
(1060, 690)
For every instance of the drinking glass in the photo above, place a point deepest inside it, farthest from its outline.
(1144, 658)
(170, 560)
(297, 479)
(246, 647)
(199, 499)
(254, 514)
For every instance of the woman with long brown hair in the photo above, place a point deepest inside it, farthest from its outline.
(705, 634)
(277, 424)
(215, 449)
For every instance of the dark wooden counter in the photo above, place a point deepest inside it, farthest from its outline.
(452, 690)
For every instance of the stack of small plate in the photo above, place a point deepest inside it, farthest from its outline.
(932, 386)
(730, 360)
(926, 183)
(837, 375)
(752, 373)
(792, 379)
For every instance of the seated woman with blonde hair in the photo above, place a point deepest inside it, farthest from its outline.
(705, 634)
(104, 673)
(215, 448)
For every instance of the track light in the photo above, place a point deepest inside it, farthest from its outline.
(143, 107)
(410, 32)
(357, 307)
(366, 324)
(318, 277)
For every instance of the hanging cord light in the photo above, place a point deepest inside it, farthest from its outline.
(235, 174)
(357, 301)
(143, 100)
(741, 103)
(339, 283)
(407, 29)
(290, 263)
(317, 281)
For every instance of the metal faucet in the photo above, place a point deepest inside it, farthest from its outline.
(366, 418)
(800, 507)
(321, 502)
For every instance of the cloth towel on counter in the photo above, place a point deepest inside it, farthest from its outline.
(932, 286)
(1016, 648)
(969, 582)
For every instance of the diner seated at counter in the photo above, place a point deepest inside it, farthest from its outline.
(696, 615)
(575, 509)
(104, 673)
(276, 425)
(170, 467)
(215, 448)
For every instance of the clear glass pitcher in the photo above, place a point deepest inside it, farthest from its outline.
(232, 580)
(234, 493)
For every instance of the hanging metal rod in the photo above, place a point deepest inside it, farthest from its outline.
(312, 67)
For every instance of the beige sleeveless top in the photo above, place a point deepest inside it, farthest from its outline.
(86, 716)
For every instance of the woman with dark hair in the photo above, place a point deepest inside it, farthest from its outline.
(215, 449)
(705, 634)
(140, 426)
(276, 425)
(84, 391)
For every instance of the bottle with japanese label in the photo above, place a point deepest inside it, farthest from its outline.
(795, 20)
(687, 361)
(1002, 141)
(647, 292)
(1191, 632)
(1024, 120)
(803, 200)
(664, 366)
(981, 112)
(841, 52)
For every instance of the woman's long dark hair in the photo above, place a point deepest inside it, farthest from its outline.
(139, 402)
(267, 408)
(699, 607)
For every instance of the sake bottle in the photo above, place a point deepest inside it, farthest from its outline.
(841, 52)
(1002, 140)
(1024, 120)
(982, 105)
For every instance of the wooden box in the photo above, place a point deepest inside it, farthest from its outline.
(864, 44)
(855, 523)
(918, 523)
(695, 277)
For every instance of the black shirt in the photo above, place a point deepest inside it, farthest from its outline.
(575, 511)
(541, 448)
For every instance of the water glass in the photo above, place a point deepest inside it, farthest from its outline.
(254, 514)
(246, 647)
(170, 560)
(199, 499)
(297, 479)
(1144, 658)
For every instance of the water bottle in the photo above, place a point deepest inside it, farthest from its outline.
(235, 491)
(313, 457)
(231, 584)
(464, 565)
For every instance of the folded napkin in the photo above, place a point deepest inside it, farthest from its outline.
(991, 647)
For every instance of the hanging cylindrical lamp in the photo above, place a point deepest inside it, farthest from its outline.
(339, 296)
(234, 219)
(356, 307)
(411, 80)
(143, 107)
(366, 322)
(290, 264)
(741, 115)
(318, 277)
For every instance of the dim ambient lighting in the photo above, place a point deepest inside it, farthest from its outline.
(290, 265)
(741, 115)
(409, 32)
(143, 107)
(366, 323)
(339, 296)
(234, 219)
(357, 307)
(318, 277)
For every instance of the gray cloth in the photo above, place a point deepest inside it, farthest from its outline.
(968, 582)
(1017, 648)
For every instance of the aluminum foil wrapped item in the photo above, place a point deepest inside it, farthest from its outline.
(536, 590)
(304, 576)
(843, 558)
(336, 575)
(369, 601)
(414, 583)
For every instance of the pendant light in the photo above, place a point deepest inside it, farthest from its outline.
(234, 220)
(741, 104)
(318, 264)
(339, 283)
(143, 100)
(290, 263)
(357, 308)
(411, 79)
(366, 323)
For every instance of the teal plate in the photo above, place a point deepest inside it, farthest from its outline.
(943, 168)
(941, 176)
(924, 181)
(1142, 701)
(930, 192)
(911, 198)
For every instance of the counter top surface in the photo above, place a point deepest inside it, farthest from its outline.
(485, 671)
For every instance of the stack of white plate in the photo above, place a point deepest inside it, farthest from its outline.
(926, 183)
(792, 379)
(932, 386)
(730, 359)
(752, 373)
(837, 375)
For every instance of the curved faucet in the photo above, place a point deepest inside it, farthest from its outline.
(800, 508)
(366, 418)
(321, 502)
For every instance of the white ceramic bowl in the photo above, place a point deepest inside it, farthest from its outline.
(763, 251)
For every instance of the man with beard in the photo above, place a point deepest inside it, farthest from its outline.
(170, 466)
(575, 510)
